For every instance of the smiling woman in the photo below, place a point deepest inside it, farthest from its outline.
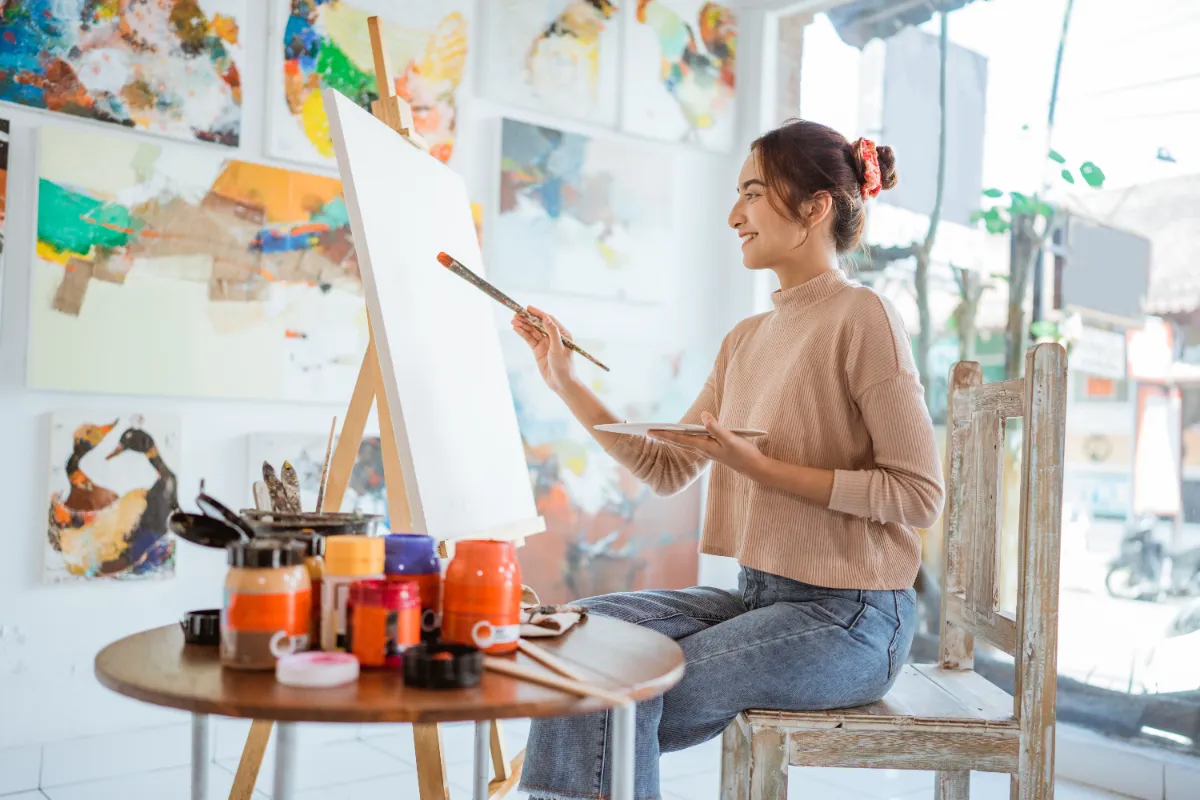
(821, 513)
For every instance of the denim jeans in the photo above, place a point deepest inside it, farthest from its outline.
(775, 644)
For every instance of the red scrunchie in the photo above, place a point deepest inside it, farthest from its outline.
(872, 178)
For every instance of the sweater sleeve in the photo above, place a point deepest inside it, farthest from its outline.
(904, 485)
(667, 469)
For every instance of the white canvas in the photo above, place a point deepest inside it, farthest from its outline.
(112, 484)
(559, 56)
(443, 374)
(427, 41)
(306, 453)
(679, 83)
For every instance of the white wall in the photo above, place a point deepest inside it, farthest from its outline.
(49, 635)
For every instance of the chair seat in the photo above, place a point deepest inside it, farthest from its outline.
(933, 718)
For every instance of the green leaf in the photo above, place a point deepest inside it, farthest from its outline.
(993, 193)
(1056, 156)
(1021, 203)
(998, 276)
(1043, 328)
(994, 220)
(1024, 127)
(1067, 176)
(1092, 174)
(1044, 209)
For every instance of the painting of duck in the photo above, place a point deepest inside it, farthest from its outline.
(85, 497)
(128, 537)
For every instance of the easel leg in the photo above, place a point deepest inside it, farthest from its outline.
(251, 762)
(431, 767)
(353, 425)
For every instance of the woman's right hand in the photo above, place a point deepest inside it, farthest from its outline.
(554, 359)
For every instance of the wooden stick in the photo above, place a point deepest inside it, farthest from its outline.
(548, 659)
(325, 466)
(522, 672)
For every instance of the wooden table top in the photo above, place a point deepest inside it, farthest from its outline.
(156, 667)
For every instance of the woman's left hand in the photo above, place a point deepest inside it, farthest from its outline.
(720, 445)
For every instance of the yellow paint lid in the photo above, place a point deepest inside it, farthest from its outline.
(354, 555)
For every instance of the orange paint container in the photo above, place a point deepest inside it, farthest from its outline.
(385, 620)
(481, 596)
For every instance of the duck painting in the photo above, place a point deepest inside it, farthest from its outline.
(127, 537)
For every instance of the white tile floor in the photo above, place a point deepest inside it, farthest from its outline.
(349, 762)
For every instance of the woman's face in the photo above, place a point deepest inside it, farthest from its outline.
(769, 239)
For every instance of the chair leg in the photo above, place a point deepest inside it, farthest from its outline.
(768, 765)
(735, 763)
(1031, 787)
(954, 785)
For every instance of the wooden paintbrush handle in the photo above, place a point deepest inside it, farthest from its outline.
(525, 673)
(541, 654)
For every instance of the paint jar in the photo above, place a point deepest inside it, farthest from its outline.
(268, 604)
(481, 596)
(347, 559)
(385, 620)
(413, 557)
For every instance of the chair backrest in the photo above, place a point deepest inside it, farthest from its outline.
(975, 420)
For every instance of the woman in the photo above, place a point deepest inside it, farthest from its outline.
(821, 514)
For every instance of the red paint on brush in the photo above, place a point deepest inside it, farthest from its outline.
(445, 260)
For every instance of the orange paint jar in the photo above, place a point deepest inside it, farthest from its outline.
(481, 596)
(385, 620)
(268, 604)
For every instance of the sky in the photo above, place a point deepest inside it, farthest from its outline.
(1130, 85)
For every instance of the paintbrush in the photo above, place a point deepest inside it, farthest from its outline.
(500, 297)
(325, 467)
(291, 488)
(279, 502)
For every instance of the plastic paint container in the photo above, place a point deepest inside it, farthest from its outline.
(317, 670)
(385, 620)
(481, 597)
(347, 559)
(413, 557)
(268, 604)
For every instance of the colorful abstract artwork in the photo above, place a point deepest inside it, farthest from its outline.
(306, 453)
(3, 185)
(112, 486)
(325, 43)
(170, 67)
(680, 75)
(605, 530)
(559, 56)
(163, 270)
(582, 216)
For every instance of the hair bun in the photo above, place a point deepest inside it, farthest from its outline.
(887, 167)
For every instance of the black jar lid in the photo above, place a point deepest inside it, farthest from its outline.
(266, 554)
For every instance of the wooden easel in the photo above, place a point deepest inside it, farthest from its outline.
(394, 112)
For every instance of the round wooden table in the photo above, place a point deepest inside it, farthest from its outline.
(156, 667)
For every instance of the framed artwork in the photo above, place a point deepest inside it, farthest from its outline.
(317, 44)
(112, 486)
(680, 75)
(306, 452)
(605, 530)
(582, 216)
(558, 56)
(163, 270)
(3, 185)
(171, 67)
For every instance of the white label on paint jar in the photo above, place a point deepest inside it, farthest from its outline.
(486, 635)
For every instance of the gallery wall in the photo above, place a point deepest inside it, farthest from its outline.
(660, 345)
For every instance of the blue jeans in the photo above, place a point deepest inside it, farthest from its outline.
(776, 644)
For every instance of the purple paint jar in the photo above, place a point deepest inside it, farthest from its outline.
(413, 557)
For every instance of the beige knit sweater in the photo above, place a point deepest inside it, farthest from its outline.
(829, 375)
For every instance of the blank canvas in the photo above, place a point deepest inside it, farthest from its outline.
(439, 349)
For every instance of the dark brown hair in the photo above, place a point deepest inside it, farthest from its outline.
(800, 159)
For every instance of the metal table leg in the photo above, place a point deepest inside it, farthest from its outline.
(201, 755)
(285, 761)
(623, 752)
(483, 759)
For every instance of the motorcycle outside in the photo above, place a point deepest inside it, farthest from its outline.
(1145, 568)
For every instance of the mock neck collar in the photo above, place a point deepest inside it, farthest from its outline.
(811, 291)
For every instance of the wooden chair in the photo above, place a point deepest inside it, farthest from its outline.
(945, 716)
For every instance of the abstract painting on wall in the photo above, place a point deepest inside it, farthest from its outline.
(170, 67)
(112, 486)
(560, 56)
(166, 270)
(605, 530)
(582, 216)
(680, 73)
(325, 43)
(3, 185)
(306, 453)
